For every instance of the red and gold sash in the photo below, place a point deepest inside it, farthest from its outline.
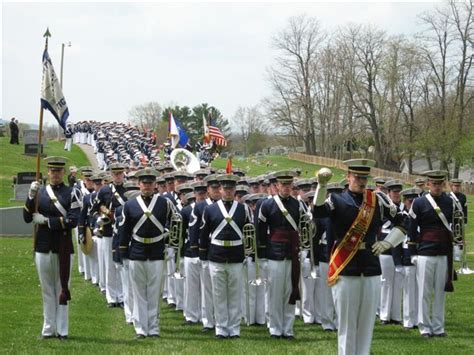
(349, 245)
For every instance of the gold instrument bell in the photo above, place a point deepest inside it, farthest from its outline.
(87, 243)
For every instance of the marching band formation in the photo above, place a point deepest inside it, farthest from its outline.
(225, 248)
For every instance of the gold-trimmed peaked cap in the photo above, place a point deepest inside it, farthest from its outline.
(146, 175)
(56, 162)
(117, 167)
(436, 175)
(360, 167)
(228, 180)
(285, 176)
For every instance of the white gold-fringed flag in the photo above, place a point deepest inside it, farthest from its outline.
(52, 98)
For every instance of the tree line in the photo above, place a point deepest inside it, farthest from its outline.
(359, 87)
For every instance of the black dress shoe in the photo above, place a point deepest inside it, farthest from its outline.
(426, 335)
(234, 336)
(62, 337)
(45, 337)
(329, 330)
(288, 337)
(275, 336)
(154, 336)
(385, 322)
(172, 305)
(188, 322)
(207, 329)
(119, 304)
(396, 322)
(110, 305)
(139, 336)
(440, 335)
(220, 337)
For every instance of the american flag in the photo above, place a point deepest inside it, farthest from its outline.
(216, 134)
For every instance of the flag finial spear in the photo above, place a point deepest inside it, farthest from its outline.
(47, 34)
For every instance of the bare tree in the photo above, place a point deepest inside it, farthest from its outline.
(146, 116)
(292, 78)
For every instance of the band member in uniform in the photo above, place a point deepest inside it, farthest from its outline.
(221, 241)
(56, 216)
(354, 267)
(410, 288)
(108, 199)
(192, 265)
(207, 305)
(460, 202)
(256, 289)
(142, 245)
(421, 184)
(432, 214)
(323, 243)
(281, 215)
(391, 265)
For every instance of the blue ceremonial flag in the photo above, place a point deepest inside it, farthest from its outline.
(183, 137)
(52, 98)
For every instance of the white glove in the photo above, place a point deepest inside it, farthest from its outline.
(324, 175)
(126, 263)
(38, 218)
(414, 259)
(399, 269)
(34, 187)
(205, 264)
(317, 271)
(380, 246)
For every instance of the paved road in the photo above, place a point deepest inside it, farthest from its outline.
(90, 155)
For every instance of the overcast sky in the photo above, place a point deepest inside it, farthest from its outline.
(124, 54)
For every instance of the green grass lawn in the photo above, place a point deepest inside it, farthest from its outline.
(12, 161)
(96, 329)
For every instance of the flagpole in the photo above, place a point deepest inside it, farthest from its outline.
(39, 150)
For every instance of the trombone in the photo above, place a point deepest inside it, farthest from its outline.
(306, 231)
(250, 247)
(175, 240)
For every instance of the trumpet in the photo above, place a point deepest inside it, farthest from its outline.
(307, 229)
(175, 240)
(459, 240)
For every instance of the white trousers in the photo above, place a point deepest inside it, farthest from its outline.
(431, 274)
(56, 316)
(146, 284)
(170, 266)
(192, 296)
(113, 283)
(124, 270)
(80, 261)
(256, 296)
(281, 313)
(410, 301)
(101, 263)
(76, 137)
(68, 144)
(226, 281)
(207, 305)
(179, 288)
(324, 294)
(308, 294)
(391, 291)
(93, 261)
(356, 299)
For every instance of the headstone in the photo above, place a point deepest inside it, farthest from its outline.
(30, 138)
(23, 182)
